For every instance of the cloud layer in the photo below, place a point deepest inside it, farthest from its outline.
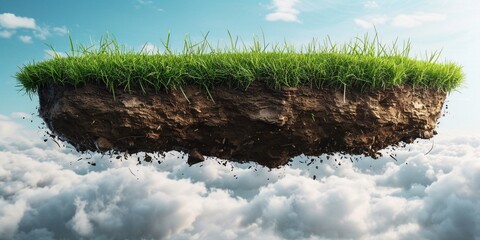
(49, 192)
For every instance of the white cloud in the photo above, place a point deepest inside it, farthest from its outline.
(10, 21)
(371, 4)
(46, 31)
(42, 33)
(45, 192)
(416, 19)
(284, 10)
(400, 20)
(6, 34)
(25, 38)
(370, 22)
(80, 222)
(10, 216)
(60, 30)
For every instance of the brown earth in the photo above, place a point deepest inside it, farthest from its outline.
(260, 124)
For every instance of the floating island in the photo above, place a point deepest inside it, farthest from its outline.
(262, 103)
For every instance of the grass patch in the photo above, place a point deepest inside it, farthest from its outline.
(363, 63)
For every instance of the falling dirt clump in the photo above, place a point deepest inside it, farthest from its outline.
(257, 124)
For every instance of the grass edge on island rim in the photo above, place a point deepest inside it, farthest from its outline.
(363, 63)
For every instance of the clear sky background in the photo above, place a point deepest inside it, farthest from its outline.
(46, 192)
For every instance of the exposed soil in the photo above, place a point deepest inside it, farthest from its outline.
(260, 124)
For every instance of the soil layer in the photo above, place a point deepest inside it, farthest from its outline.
(258, 124)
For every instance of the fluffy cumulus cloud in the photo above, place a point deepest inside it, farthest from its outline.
(47, 192)
(284, 10)
(399, 20)
(9, 22)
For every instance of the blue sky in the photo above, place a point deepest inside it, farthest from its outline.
(430, 191)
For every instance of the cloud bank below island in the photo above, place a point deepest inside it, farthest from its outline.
(48, 192)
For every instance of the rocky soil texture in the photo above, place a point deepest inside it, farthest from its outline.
(258, 124)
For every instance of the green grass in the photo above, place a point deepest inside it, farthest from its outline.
(363, 63)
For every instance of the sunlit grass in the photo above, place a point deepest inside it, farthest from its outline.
(363, 63)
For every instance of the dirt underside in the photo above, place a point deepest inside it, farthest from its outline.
(260, 124)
